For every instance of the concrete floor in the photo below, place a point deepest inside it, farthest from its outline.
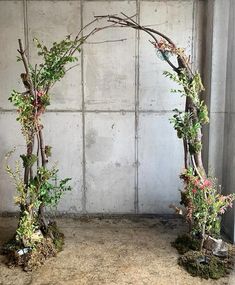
(109, 251)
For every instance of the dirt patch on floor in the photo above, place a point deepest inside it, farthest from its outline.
(114, 251)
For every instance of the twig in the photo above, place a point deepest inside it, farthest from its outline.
(42, 148)
(86, 26)
(71, 68)
(129, 22)
(24, 59)
(195, 167)
(109, 41)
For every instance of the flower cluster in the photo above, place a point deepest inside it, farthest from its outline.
(201, 185)
(41, 101)
(168, 49)
(204, 203)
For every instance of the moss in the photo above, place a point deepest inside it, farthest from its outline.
(59, 242)
(58, 237)
(185, 242)
(10, 245)
(205, 266)
(38, 255)
(30, 258)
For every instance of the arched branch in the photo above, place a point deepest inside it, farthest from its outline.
(165, 45)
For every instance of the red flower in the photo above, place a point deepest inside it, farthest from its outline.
(194, 190)
(207, 183)
(197, 182)
(40, 93)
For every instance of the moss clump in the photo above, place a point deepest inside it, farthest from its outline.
(205, 266)
(58, 237)
(32, 257)
(44, 250)
(185, 243)
(10, 245)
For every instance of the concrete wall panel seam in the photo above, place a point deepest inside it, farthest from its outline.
(26, 27)
(137, 46)
(194, 30)
(83, 123)
(207, 69)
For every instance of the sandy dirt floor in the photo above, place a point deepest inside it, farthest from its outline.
(116, 251)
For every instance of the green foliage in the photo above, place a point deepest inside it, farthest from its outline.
(48, 191)
(26, 230)
(54, 61)
(187, 129)
(191, 86)
(28, 160)
(202, 113)
(51, 70)
(43, 188)
(48, 149)
(25, 109)
(188, 124)
(205, 203)
(18, 181)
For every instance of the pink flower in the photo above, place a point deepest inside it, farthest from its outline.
(222, 198)
(207, 183)
(194, 190)
(197, 182)
(222, 210)
(40, 93)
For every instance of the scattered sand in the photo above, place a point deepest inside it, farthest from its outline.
(118, 251)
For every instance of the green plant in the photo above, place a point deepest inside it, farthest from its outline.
(49, 191)
(204, 203)
(54, 61)
(188, 123)
(26, 231)
(38, 186)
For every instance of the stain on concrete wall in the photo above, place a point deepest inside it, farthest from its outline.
(109, 119)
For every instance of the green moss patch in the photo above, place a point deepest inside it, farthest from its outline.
(31, 258)
(205, 266)
(185, 243)
(58, 237)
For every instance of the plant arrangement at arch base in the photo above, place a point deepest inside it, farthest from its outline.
(204, 253)
(37, 185)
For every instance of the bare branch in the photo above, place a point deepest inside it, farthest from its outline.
(129, 22)
(25, 62)
(108, 41)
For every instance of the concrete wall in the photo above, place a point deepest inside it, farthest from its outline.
(109, 119)
(229, 126)
(219, 69)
